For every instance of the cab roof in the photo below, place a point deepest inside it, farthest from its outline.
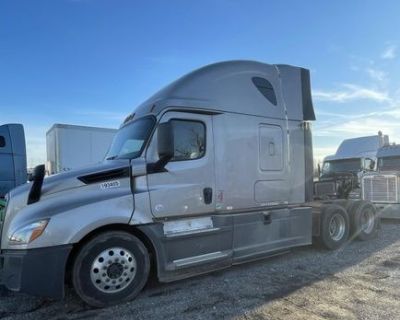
(389, 151)
(247, 87)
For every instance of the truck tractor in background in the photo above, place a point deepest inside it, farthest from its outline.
(13, 167)
(214, 170)
(383, 186)
(340, 175)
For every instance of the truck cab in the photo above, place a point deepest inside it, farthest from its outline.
(382, 187)
(340, 175)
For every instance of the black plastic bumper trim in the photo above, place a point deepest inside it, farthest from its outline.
(39, 272)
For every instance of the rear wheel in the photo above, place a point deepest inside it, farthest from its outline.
(111, 268)
(334, 227)
(365, 223)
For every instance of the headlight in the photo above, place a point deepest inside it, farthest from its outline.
(28, 233)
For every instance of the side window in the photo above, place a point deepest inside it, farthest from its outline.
(2, 142)
(189, 139)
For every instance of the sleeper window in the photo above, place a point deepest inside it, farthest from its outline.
(266, 89)
(189, 139)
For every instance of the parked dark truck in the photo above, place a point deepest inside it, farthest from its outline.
(13, 168)
(216, 169)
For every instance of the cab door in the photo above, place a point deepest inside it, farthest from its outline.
(187, 185)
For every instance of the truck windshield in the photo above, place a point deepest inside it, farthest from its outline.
(130, 139)
(389, 164)
(346, 165)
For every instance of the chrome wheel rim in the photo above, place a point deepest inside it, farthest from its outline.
(113, 270)
(337, 227)
(367, 221)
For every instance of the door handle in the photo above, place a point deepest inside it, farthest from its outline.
(267, 217)
(207, 195)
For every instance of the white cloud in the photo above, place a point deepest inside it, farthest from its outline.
(376, 74)
(351, 92)
(360, 127)
(321, 152)
(344, 126)
(35, 144)
(390, 52)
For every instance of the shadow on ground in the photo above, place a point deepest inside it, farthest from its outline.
(232, 293)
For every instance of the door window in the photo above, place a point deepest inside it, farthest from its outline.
(189, 139)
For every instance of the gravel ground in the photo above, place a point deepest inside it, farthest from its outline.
(360, 281)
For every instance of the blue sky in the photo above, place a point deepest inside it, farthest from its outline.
(90, 62)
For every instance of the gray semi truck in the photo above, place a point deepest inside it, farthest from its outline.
(214, 170)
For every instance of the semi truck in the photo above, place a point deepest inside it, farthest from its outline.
(340, 175)
(383, 186)
(13, 166)
(70, 146)
(214, 170)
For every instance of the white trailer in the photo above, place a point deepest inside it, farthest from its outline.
(70, 146)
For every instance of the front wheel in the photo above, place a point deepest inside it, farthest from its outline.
(112, 267)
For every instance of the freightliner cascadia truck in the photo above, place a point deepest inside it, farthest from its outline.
(215, 169)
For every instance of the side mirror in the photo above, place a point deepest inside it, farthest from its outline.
(165, 147)
(165, 138)
(372, 165)
(369, 164)
(37, 181)
(38, 173)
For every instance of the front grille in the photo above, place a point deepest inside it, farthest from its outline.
(380, 188)
(323, 188)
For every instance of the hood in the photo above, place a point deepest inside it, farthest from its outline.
(69, 193)
(106, 170)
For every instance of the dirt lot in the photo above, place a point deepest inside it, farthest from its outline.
(361, 281)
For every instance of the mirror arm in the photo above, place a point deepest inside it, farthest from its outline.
(158, 166)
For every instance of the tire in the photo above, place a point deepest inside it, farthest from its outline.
(364, 221)
(111, 268)
(334, 227)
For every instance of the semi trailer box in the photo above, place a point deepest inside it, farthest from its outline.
(70, 146)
